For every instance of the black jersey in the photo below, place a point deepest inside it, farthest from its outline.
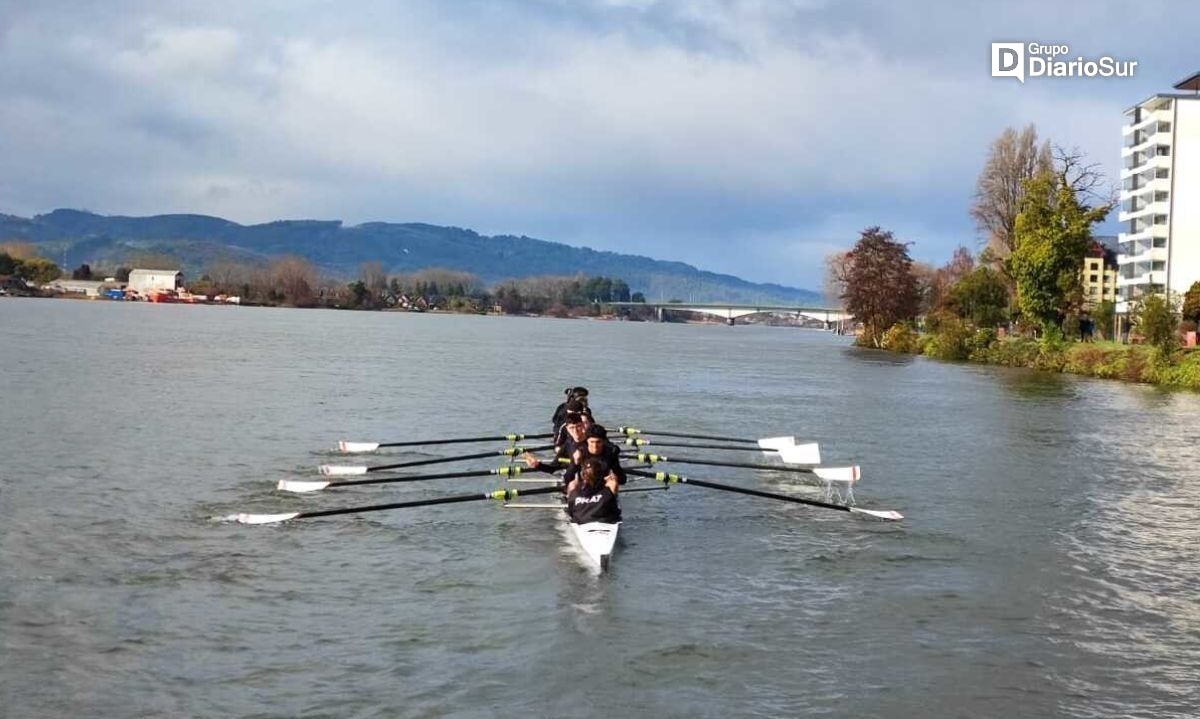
(593, 504)
(610, 458)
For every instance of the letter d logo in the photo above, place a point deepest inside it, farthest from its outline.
(1008, 60)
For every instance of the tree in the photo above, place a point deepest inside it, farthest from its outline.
(292, 279)
(837, 267)
(880, 287)
(1191, 303)
(374, 279)
(83, 272)
(38, 270)
(981, 297)
(1014, 158)
(638, 297)
(8, 265)
(950, 274)
(1156, 322)
(19, 250)
(926, 276)
(1103, 317)
(1052, 235)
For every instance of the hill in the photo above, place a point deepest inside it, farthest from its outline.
(198, 240)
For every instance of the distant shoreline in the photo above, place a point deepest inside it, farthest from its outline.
(604, 317)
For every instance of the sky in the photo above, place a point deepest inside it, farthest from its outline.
(751, 137)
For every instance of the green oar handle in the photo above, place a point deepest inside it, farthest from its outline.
(415, 478)
(655, 458)
(672, 478)
(465, 440)
(510, 452)
(631, 431)
(503, 495)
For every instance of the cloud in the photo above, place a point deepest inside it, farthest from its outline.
(744, 136)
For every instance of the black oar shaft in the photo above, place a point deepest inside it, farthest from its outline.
(502, 495)
(465, 440)
(415, 478)
(652, 458)
(700, 446)
(689, 436)
(456, 458)
(663, 476)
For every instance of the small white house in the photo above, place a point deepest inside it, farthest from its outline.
(143, 281)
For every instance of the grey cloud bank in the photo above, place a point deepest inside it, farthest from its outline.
(743, 137)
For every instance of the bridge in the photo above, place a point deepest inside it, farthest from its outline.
(831, 316)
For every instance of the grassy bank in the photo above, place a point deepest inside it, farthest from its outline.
(1104, 360)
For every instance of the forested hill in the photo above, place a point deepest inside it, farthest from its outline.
(198, 240)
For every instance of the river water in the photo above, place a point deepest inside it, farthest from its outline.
(1047, 565)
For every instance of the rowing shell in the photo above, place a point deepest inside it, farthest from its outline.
(597, 539)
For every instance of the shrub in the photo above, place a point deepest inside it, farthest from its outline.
(952, 341)
(1183, 373)
(900, 337)
(1157, 323)
(981, 342)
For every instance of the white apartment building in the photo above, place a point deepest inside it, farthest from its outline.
(1160, 195)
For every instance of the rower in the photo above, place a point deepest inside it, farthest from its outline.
(573, 437)
(574, 408)
(598, 447)
(580, 395)
(593, 496)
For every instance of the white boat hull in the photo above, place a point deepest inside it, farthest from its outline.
(597, 540)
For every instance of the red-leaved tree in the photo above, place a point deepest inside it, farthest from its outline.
(881, 288)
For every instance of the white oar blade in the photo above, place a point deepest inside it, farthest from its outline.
(291, 485)
(801, 454)
(887, 514)
(357, 447)
(341, 470)
(245, 518)
(849, 475)
(776, 443)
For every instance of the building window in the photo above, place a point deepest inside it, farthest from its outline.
(1093, 278)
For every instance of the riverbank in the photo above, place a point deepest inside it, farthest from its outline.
(1102, 360)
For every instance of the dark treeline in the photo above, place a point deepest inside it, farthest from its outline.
(296, 282)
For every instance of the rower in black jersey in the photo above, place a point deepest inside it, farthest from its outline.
(573, 437)
(598, 447)
(593, 496)
(578, 395)
(575, 408)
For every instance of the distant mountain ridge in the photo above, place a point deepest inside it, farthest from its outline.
(198, 240)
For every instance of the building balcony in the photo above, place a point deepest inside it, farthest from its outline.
(1132, 199)
(1154, 133)
(1148, 118)
(1145, 254)
(1144, 209)
(1157, 277)
(1157, 162)
(1146, 235)
(1142, 182)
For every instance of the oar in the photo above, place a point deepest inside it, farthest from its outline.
(291, 485)
(503, 495)
(666, 477)
(763, 442)
(359, 447)
(809, 453)
(343, 470)
(829, 474)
